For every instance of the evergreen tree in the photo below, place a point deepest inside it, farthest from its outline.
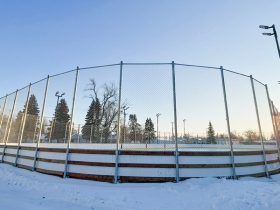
(31, 124)
(16, 128)
(149, 131)
(90, 130)
(61, 122)
(211, 139)
(32, 106)
(134, 128)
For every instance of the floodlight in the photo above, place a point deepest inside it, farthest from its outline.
(267, 34)
(264, 27)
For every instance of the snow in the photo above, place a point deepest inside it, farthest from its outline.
(23, 189)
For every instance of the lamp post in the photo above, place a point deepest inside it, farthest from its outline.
(172, 137)
(54, 119)
(124, 118)
(184, 121)
(158, 114)
(58, 96)
(272, 34)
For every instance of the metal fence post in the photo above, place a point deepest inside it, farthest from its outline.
(8, 127)
(90, 138)
(116, 177)
(175, 122)
(275, 114)
(79, 127)
(11, 121)
(259, 125)
(35, 129)
(71, 123)
(228, 124)
(272, 119)
(2, 113)
(41, 122)
(275, 118)
(23, 124)
(51, 130)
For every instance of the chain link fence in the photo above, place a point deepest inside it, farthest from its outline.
(143, 106)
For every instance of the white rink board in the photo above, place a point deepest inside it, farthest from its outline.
(26, 153)
(273, 166)
(250, 170)
(147, 159)
(51, 155)
(94, 170)
(204, 159)
(205, 172)
(147, 172)
(92, 158)
(155, 164)
(10, 159)
(11, 151)
(25, 162)
(50, 166)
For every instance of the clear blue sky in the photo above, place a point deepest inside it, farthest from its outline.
(48, 37)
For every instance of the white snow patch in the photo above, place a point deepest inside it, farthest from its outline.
(22, 189)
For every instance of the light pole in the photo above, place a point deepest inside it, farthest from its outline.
(184, 121)
(58, 96)
(172, 137)
(271, 34)
(113, 130)
(54, 119)
(124, 118)
(158, 114)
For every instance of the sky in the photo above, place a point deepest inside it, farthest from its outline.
(48, 37)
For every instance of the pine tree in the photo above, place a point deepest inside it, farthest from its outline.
(32, 106)
(134, 128)
(16, 128)
(31, 125)
(149, 131)
(211, 139)
(90, 130)
(30, 122)
(61, 122)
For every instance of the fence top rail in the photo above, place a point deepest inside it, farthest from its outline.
(3, 97)
(39, 81)
(234, 72)
(66, 72)
(131, 63)
(197, 66)
(146, 64)
(100, 66)
(258, 81)
(24, 87)
(11, 93)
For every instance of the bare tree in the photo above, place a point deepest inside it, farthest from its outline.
(107, 96)
(251, 136)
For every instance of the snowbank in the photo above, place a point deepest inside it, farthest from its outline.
(22, 189)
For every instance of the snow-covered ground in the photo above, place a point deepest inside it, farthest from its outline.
(22, 189)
